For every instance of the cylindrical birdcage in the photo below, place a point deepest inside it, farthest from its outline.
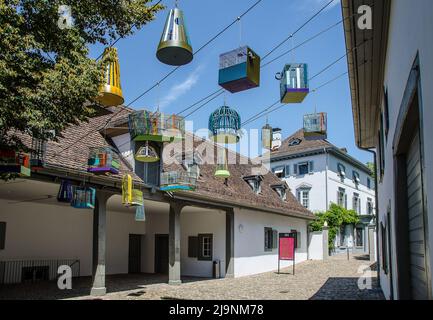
(224, 125)
(175, 46)
(111, 91)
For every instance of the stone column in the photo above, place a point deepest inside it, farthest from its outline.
(371, 246)
(99, 244)
(230, 243)
(325, 243)
(174, 244)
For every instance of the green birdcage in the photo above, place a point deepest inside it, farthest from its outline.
(224, 125)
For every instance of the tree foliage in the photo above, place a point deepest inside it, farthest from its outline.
(47, 80)
(372, 168)
(336, 216)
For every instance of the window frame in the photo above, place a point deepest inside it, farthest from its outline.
(301, 196)
(341, 168)
(342, 191)
(270, 239)
(356, 206)
(362, 237)
(303, 164)
(201, 256)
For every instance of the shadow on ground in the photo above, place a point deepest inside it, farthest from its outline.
(347, 289)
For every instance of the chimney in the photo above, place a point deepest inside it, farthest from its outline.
(276, 139)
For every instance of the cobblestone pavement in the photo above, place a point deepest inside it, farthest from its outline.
(335, 278)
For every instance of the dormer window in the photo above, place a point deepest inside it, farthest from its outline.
(255, 183)
(281, 190)
(356, 178)
(341, 170)
(280, 171)
(294, 142)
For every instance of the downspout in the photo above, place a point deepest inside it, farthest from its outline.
(326, 179)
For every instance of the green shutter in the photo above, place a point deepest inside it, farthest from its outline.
(193, 247)
(274, 239)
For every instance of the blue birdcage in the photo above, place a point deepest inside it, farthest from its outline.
(239, 70)
(83, 197)
(294, 84)
(225, 125)
(315, 126)
(178, 181)
(65, 191)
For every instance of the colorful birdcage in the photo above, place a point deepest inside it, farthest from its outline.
(315, 126)
(110, 94)
(222, 168)
(175, 46)
(103, 160)
(65, 191)
(178, 181)
(147, 154)
(131, 197)
(225, 125)
(239, 70)
(12, 162)
(140, 214)
(156, 126)
(267, 137)
(294, 85)
(83, 197)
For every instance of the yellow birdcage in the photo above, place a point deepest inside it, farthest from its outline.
(111, 91)
(130, 197)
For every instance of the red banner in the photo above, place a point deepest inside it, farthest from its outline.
(287, 248)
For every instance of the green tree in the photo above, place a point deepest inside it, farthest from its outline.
(372, 168)
(47, 80)
(336, 216)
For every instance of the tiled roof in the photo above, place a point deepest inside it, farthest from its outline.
(70, 153)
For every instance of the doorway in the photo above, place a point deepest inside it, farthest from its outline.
(161, 253)
(134, 257)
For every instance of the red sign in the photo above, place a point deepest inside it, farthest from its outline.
(287, 248)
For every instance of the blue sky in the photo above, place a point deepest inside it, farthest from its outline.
(262, 29)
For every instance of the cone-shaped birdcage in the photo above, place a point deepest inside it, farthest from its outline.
(239, 70)
(294, 85)
(131, 197)
(267, 137)
(147, 154)
(315, 126)
(175, 47)
(222, 168)
(111, 90)
(224, 125)
(103, 160)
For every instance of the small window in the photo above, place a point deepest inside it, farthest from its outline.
(356, 203)
(342, 198)
(271, 237)
(205, 247)
(255, 183)
(280, 172)
(281, 190)
(359, 237)
(368, 183)
(2, 235)
(341, 170)
(297, 236)
(294, 142)
(356, 178)
(370, 206)
(304, 197)
(303, 168)
(287, 171)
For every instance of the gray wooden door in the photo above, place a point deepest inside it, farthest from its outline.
(134, 259)
(415, 200)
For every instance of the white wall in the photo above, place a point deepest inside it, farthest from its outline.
(250, 255)
(410, 32)
(50, 231)
(315, 247)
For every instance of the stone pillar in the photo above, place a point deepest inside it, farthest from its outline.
(325, 244)
(174, 244)
(230, 243)
(99, 244)
(371, 246)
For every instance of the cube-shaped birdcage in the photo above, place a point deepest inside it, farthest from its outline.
(83, 197)
(178, 181)
(65, 192)
(12, 162)
(294, 86)
(156, 126)
(239, 70)
(37, 155)
(103, 160)
(315, 126)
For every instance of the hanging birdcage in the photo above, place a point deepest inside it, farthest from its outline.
(155, 126)
(83, 197)
(147, 154)
(294, 85)
(131, 197)
(140, 214)
(267, 137)
(65, 191)
(103, 160)
(12, 162)
(178, 181)
(175, 46)
(222, 168)
(315, 126)
(37, 155)
(111, 91)
(224, 125)
(239, 70)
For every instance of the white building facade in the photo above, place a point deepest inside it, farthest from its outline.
(319, 174)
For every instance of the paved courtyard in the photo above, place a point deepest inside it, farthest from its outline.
(336, 278)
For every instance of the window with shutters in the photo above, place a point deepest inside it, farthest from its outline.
(205, 247)
(341, 171)
(356, 205)
(297, 236)
(369, 206)
(280, 171)
(304, 168)
(342, 198)
(271, 238)
(356, 178)
(304, 197)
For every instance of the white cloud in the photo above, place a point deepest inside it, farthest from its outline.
(180, 89)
